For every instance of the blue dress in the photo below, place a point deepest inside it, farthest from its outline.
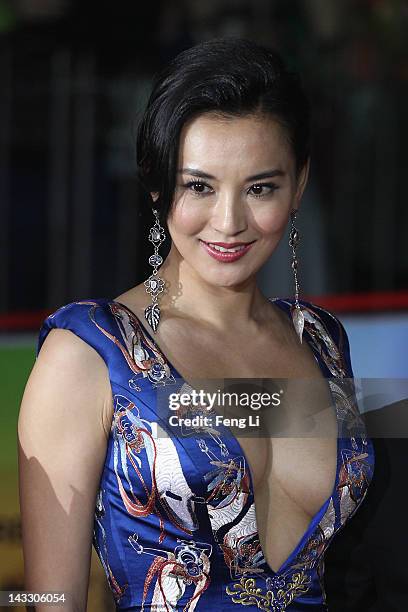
(174, 524)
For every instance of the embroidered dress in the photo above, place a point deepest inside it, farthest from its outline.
(175, 525)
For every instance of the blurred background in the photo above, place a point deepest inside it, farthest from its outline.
(74, 78)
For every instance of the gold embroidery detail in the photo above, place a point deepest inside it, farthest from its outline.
(247, 593)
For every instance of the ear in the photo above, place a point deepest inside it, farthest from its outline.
(302, 182)
(154, 195)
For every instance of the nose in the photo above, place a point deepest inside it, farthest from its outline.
(229, 215)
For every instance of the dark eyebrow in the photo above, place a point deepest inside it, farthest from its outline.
(255, 177)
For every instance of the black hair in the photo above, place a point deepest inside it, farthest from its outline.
(229, 76)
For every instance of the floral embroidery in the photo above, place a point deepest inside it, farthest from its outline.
(247, 593)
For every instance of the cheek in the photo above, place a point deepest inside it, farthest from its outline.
(271, 221)
(187, 219)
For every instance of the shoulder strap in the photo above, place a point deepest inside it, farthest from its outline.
(132, 360)
(92, 321)
(327, 325)
(327, 336)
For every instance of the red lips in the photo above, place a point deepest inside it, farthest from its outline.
(228, 245)
(225, 256)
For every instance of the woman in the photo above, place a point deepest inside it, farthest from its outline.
(223, 149)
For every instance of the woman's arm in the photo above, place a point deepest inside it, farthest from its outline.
(63, 428)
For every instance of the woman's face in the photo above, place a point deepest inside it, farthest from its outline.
(220, 197)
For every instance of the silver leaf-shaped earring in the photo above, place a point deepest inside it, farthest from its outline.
(154, 284)
(296, 311)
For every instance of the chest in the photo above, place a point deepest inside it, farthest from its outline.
(198, 353)
(292, 458)
(301, 467)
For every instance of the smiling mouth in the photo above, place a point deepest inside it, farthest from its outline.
(233, 248)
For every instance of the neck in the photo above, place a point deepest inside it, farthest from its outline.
(190, 296)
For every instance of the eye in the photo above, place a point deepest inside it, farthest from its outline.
(197, 187)
(259, 186)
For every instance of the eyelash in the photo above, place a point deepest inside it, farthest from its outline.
(272, 186)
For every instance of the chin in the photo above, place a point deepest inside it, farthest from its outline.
(225, 278)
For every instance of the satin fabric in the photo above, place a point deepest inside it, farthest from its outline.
(175, 525)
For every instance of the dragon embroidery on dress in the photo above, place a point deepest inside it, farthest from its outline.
(350, 422)
(146, 486)
(232, 517)
(169, 488)
(155, 369)
(188, 564)
(135, 440)
(322, 341)
(242, 549)
(229, 500)
(354, 478)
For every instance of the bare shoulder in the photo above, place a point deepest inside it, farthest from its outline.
(68, 367)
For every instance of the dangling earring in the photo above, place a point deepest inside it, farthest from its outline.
(154, 284)
(296, 312)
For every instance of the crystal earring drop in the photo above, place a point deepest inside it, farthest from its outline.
(154, 284)
(296, 312)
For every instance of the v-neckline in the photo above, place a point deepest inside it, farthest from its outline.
(316, 518)
(279, 301)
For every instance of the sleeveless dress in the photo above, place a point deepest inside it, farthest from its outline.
(174, 523)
